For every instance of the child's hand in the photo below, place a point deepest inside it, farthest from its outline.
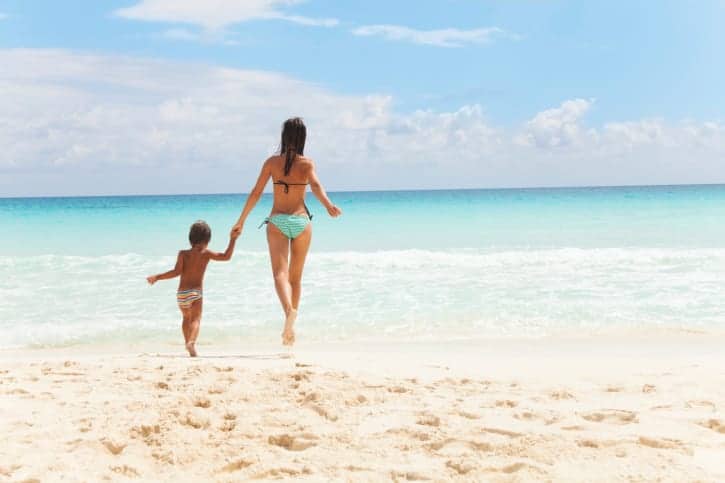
(236, 232)
(334, 211)
(151, 279)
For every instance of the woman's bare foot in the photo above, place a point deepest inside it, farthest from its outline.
(288, 334)
(190, 347)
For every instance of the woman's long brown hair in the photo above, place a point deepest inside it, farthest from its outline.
(294, 134)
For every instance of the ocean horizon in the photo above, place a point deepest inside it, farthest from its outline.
(501, 188)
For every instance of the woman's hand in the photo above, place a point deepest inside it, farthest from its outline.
(236, 231)
(334, 211)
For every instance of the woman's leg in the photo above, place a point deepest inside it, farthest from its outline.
(279, 256)
(300, 246)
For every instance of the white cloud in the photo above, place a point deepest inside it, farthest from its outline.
(559, 126)
(73, 123)
(442, 38)
(216, 14)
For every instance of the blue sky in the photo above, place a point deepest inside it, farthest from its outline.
(633, 63)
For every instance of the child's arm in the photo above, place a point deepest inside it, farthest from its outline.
(170, 274)
(227, 255)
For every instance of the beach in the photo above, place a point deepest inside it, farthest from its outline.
(640, 407)
(464, 335)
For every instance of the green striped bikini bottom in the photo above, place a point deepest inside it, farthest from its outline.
(290, 225)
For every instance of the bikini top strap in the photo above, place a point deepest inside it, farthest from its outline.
(284, 183)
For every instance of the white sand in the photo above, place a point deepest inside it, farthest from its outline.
(564, 410)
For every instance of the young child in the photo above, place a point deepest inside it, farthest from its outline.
(191, 265)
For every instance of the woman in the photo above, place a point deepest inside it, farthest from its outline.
(289, 230)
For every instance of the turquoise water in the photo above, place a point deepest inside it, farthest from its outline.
(409, 264)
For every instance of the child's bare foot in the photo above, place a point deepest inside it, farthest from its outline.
(190, 347)
(288, 334)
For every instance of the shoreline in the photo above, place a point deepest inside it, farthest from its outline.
(571, 409)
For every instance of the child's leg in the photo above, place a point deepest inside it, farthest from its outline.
(194, 324)
(185, 323)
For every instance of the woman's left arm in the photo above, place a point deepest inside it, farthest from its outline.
(253, 197)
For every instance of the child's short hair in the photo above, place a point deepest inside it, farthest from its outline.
(199, 233)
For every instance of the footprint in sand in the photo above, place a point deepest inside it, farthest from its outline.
(301, 376)
(467, 415)
(454, 446)
(596, 444)
(612, 416)
(236, 465)
(700, 404)
(358, 400)
(662, 443)
(534, 416)
(298, 442)
(429, 420)
(125, 470)
(412, 434)
(409, 476)
(397, 389)
(559, 395)
(9, 470)
(514, 468)
(714, 424)
(113, 445)
(502, 432)
(282, 472)
(325, 413)
(202, 402)
(84, 425)
(462, 467)
(148, 433)
(506, 403)
(195, 419)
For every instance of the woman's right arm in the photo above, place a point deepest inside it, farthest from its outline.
(320, 193)
(254, 196)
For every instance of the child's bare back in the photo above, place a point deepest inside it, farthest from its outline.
(190, 268)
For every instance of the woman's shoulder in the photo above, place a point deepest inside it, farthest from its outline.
(274, 159)
(305, 161)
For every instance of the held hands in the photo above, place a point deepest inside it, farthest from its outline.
(151, 279)
(334, 211)
(236, 231)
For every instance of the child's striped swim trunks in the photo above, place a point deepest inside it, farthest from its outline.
(187, 297)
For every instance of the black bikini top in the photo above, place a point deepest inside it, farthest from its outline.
(286, 190)
(287, 185)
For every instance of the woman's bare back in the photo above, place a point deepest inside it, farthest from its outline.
(289, 190)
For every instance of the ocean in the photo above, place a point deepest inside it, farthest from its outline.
(398, 265)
